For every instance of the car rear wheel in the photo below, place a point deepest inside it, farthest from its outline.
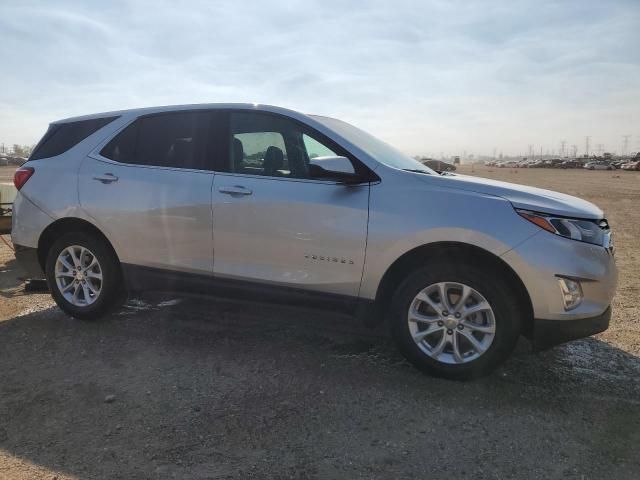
(84, 276)
(456, 322)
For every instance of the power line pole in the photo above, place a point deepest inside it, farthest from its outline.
(563, 144)
(600, 148)
(586, 145)
(625, 144)
(574, 148)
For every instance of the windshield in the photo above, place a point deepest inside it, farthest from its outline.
(379, 150)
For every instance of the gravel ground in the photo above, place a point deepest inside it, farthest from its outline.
(188, 387)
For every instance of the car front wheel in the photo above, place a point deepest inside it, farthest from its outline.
(456, 322)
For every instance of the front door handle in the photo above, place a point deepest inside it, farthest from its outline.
(106, 178)
(235, 190)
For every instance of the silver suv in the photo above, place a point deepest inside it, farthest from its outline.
(263, 202)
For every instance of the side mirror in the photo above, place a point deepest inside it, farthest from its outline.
(333, 168)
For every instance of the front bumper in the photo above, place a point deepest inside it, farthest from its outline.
(541, 259)
(27, 257)
(547, 333)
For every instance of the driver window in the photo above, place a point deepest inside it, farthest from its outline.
(260, 153)
(272, 146)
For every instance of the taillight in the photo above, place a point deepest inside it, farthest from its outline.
(21, 176)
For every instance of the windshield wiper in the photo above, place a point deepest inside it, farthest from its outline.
(415, 170)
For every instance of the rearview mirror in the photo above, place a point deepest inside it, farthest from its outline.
(333, 168)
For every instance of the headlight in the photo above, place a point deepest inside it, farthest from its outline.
(590, 231)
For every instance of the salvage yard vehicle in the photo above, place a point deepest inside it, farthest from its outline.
(7, 195)
(440, 166)
(598, 166)
(5, 218)
(571, 164)
(272, 204)
(631, 166)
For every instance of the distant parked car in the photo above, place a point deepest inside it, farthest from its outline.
(440, 166)
(511, 164)
(537, 164)
(555, 162)
(3, 162)
(631, 166)
(598, 166)
(571, 164)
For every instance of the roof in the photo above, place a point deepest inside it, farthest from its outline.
(198, 106)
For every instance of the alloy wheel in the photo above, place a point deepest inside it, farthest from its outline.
(78, 275)
(451, 322)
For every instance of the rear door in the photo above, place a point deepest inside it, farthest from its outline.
(149, 191)
(273, 223)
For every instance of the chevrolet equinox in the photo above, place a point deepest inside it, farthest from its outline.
(276, 205)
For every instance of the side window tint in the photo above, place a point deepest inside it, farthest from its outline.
(168, 140)
(62, 136)
(122, 147)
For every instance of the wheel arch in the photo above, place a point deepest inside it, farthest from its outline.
(455, 251)
(66, 225)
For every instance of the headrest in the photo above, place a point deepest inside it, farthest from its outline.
(273, 160)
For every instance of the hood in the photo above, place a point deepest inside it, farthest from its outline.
(529, 198)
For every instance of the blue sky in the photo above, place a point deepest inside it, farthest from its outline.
(427, 76)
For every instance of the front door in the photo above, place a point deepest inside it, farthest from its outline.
(274, 224)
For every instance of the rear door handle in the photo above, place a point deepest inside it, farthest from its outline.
(106, 178)
(235, 190)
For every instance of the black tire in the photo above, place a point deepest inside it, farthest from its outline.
(497, 291)
(112, 294)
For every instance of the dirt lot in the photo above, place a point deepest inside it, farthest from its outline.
(193, 388)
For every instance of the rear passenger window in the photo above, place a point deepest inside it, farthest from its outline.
(123, 147)
(62, 136)
(167, 140)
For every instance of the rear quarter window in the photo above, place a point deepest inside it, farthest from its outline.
(62, 136)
